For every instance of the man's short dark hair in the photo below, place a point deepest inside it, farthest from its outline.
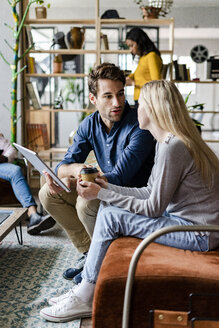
(104, 71)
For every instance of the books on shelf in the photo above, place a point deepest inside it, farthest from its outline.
(37, 136)
(29, 37)
(33, 94)
(176, 70)
(180, 72)
(165, 71)
(31, 65)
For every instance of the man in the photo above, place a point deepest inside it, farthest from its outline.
(13, 174)
(124, 153)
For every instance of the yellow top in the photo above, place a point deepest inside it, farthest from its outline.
(148, 69)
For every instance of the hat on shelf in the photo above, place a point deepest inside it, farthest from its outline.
(111, 13)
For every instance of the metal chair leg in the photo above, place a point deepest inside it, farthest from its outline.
(20, 239)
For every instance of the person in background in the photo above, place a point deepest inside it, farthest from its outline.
(183, 190)
(13, 173)
(150, 63)
(124, 153)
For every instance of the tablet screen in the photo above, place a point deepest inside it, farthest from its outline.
(39, 164)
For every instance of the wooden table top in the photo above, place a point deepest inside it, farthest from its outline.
(18, 214)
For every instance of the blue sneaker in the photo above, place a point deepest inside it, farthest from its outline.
(77, 279)
(70, 273)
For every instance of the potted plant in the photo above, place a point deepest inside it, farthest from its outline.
(154, 8)
(41, 10)
(192, 108)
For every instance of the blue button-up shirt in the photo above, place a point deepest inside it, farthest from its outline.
(125, 154)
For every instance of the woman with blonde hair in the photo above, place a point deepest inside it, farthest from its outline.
(183, 190)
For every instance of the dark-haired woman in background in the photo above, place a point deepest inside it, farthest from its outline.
(150, 63)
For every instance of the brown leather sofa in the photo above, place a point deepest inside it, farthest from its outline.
(164, 279)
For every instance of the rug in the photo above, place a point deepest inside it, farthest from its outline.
(29, 275)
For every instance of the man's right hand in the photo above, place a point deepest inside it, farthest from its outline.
(54, 188)
(71, 170)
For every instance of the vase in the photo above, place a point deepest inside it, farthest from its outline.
(41, 12)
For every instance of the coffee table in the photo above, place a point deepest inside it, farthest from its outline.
(14, 215)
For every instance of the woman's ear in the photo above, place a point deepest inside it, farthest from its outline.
(92, 98)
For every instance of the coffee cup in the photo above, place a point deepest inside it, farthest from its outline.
(89, 174)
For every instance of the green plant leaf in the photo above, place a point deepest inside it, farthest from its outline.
(187, 97)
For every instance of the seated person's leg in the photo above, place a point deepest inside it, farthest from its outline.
(87, 213)
(62, 208)
(13, 174)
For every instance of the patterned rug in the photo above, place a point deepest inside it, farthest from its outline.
(29, 275)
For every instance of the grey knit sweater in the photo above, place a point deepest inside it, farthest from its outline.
(175, 186)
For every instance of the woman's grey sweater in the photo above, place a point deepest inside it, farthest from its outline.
(174, 186)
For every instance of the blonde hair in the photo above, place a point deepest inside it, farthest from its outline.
(166, 107)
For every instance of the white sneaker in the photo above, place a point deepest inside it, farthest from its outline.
(70, 308)
(54, 300)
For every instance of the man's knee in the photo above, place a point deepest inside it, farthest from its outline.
(87, 207)
(44, 194)
(87, 213)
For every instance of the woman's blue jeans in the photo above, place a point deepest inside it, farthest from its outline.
(14, 175)
(113, 222)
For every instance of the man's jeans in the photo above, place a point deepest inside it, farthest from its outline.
(14, 175)
(113, 222)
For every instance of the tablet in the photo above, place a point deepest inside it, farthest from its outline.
(39, 164)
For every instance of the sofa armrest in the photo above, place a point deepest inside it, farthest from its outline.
(135, 258)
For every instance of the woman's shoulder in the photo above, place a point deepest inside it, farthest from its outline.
(174, 154)
(174, 147)
(151, 56)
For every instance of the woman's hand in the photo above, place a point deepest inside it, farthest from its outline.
(102, 181)
(88, 190)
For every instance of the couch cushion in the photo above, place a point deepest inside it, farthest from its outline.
(164, 279)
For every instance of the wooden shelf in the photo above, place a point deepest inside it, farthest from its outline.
(64, 75)
(127, 52)
(63, 51)
(48, 109)
(204, 111)
(60, 21)
(191, 81)
(211, 141)
(150, 22)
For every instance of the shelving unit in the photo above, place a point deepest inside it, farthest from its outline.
(99, 53)
(213, 112)
(46, 115)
